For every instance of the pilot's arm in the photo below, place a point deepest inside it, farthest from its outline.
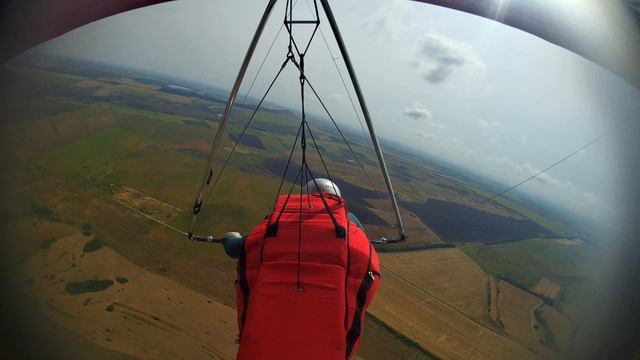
(354, 219)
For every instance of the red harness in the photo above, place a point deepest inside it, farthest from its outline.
(338, 277)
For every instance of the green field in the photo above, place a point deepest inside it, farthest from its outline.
(577, 268)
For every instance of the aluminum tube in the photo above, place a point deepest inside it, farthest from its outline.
(365, 112)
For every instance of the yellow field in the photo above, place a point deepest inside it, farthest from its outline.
(409, 300)
(448, 274)
(147, 316)
(516, 309)
(147, 204)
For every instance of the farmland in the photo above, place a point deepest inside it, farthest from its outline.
(459, 223)
(132, 315)
(94, 152)
(438, 270)
(562, 274)
(95, 158)
(438, 326)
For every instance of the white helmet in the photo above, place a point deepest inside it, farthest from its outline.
(324, 185)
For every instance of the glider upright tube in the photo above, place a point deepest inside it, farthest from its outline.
(206, 177)
(365, 112)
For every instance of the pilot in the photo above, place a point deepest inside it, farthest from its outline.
(233, 242)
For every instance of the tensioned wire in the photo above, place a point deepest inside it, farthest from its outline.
(497, 195)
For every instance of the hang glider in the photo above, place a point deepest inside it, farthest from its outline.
(25, 24)
(605, 32)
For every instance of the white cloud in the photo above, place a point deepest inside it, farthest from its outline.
(341, 98)
(511, 171)
(439, 58)
(550, 187)
(419, 112)
(391, 21)
(424, 135)
(484, 124)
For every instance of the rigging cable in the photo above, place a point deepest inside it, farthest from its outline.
(344, 139)
(264, 59)
(344, 84)
(439, 300)
(246, 126)
(353, 106)
(324, 165)
(208, 173)
(150, 217)
(244, 100)
(304, 126)
(284, 174)
(596, 139)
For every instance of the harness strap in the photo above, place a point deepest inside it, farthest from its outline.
(356, 326)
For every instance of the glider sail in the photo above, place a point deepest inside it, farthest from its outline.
(25, 24)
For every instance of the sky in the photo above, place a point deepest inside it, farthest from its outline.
(465, 89)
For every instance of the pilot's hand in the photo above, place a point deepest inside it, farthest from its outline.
(232, 234)
(233, 244)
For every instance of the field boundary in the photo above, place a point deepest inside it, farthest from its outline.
(400, 336)
(541, 237)
(140, 212)
(412, 284)
(545, 300)
(413, 247)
